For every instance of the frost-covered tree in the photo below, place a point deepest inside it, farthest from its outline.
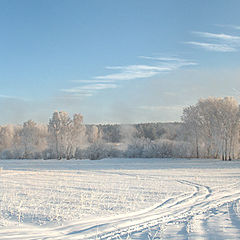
(78, 133)
(6, 137)
(213, 124)
(59, 128)
(65, 134)
(32, 139)
(93, 133)
(230, 127)
(192, 125)
(128, 133)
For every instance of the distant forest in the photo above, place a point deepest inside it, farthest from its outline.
(209, 129)
(116, 133)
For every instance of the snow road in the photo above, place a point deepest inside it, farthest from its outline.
(120, 199)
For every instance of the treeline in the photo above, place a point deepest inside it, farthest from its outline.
(117, 133)
(66, 137)
(209, 129)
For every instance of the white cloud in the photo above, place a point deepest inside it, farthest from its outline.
(220, 36)
(129, 75)
(88, 90)
(75, 95)
(92, 81)
(218, 42)
(162, 58)
(129, 72)
(98, 86)
(172, 62)
(228, 26)
(134, 68)
(133, 72)
(216, 47)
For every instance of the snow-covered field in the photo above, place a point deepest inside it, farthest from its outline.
(120, 199)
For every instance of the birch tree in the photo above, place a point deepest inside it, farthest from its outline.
(59, 128)
(214, 124)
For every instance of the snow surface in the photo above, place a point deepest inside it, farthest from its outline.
(119, 199)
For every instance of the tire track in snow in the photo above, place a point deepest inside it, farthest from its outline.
(150, 217)
(184, 216)
(197, 224)
(87, 230)
(233, 214)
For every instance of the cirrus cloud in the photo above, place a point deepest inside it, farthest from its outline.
(214, 46)
(129, 72)
(217, 42)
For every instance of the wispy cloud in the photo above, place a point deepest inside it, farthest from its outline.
(162, 58)
(214, 46)
(75, 95)
(88, 90)
(217, 42)
(90, 87)
(172, 62)
(139, 68)
(236, 27)
(158, 66)
(92, 81)
(133, 72)
(219, 36)
(130, 72)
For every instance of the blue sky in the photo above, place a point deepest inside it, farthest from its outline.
(116, 61)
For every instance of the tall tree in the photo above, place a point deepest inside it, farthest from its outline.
(59, 128)
(32, 138)
(213, 123)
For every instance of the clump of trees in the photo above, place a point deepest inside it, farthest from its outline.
(212, 125)
(209, 129)
(65, 134)
(26, 141)
(61, 138)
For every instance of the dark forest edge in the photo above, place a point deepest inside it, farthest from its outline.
(209, 129)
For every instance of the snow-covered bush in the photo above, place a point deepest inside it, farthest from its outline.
(146, 148)
(6, 154)
(100, 150)
(49, 154)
